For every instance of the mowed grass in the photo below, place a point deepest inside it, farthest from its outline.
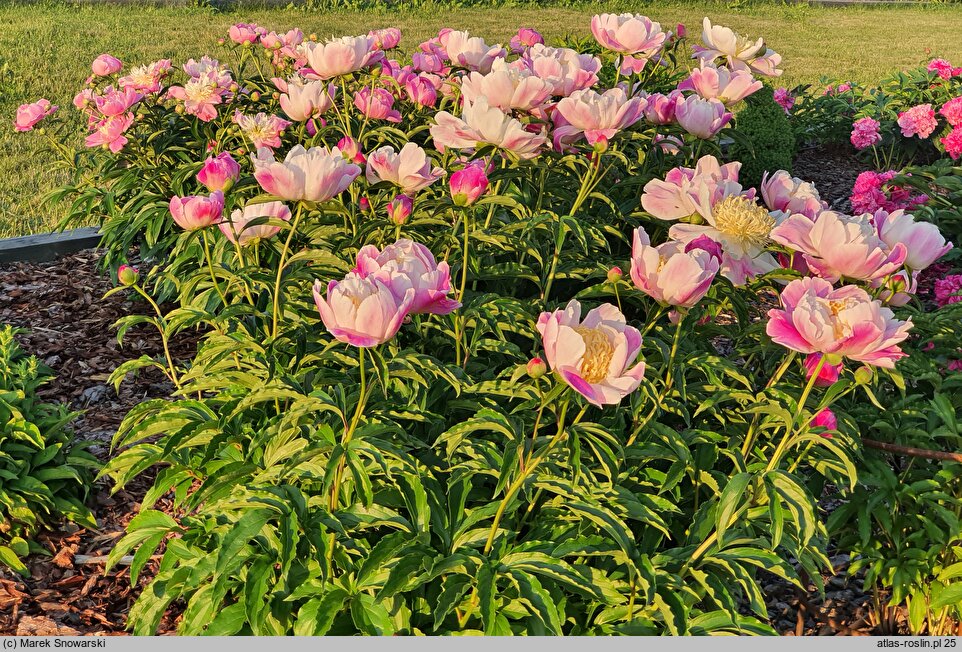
(46, 50)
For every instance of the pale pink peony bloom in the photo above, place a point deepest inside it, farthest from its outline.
(740, 53)
(660, 108)
(106, 65)
(219, 172)
(671, 274)
(524, 39)
(262, 130)
(429, 62)
(237, 230)
(361, 312)
(714, 83)
(410, 169)
(245, 33)
(507, 88)
(923, 241)
(701, 118)
(593, 356)
(147, 79)
(865, 133)
(836, 246)
(842, 323)
(918, 121)
(340, 56)
(420, 90)
(303, 99)
(200, 95)
(481, 124)
(376, 104)
(196, 211)
(468, 184)
(399, 210)
(386, 39)
(783, 192)
(407, 265)
(109, 132)
(598, 116)
(565, 69)
(315, 175)
(827, 375)
(677, 194)
(28, 115)
(470, 52)
(628, 34)
(115, 101)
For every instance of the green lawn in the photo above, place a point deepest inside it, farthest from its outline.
(45, 51)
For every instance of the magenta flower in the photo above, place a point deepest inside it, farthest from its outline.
(303, 100)
(340, 56)
(109, 132)
(351, 151)
(263, 130)
(953, 143)
(948, 290)
(483, 124)
(628, 34)
(918, 121)
(660, 109)
(399, 210)
(714, 83)
(827, 375)
(196, 211)
(842, 323)
(701, 118)
(507, 87)
(942, 67)
(836, 246)
(245, 33)
(115, 101)
(952, 111)
(315, 175)
(237, 230)
(28, 115)
(106, 65)
(410, 169)
(376, 104)
(825, 419)
(783, 192)
(923, 241)
(468, 184)
(865, 133)
(362, 312)
(593, 356)
(219, 172)
(597, 116)
(670, 273)
(405, 266)
(421, 91)
(386, 39)
(524, 39)
(784, 99)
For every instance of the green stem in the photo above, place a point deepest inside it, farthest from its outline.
(667, 388)
(210, 267)
(750, 436)
(349, 432)
(161, 327)
(280, 268)
(790, 432)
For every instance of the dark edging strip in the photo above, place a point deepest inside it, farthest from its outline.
(47, 246)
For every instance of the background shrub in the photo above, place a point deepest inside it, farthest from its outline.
(766, 143)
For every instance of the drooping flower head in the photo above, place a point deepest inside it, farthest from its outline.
(924, 243)
(28, 115)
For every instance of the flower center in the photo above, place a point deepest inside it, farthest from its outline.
(744, 221)
(836, 307)
(598, 354)
(200, 91)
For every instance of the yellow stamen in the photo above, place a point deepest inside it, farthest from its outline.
(598, 354)
(744, 221)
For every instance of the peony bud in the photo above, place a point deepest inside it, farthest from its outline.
(864, 375)
(219, 173)
(826, 419)
(537, 368)
(615, 274)
(400, 209)
(469, 184)
(364, 204)
(255, 96)
(128, 275)
(350, 150)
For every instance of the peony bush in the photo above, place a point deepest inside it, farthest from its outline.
(428, 398)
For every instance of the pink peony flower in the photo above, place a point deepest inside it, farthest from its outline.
(597, 116)
(362, 312)
(740, 53)
(670, 274)
(468, 184)
(303, 100)
(351, 151)
(407, 265)
(953, 143)
(421, 91)
(660, 109)
(701, 118)
(942, 67)
(106, 65)
(507, 88)
(386, 39)
(428, 62)
(948, 290)
(237, 230)
(470, 52)
(524, 39)
(340, 56)
(565, 69)
(399, 210)
(714, 83)
(675, 197)
(865, 133)
(196, 211)
(245, 33)
(783, 192)
(628, 34)
(219, 173)
(376, 104)
(871, 192)
(593, 356)
(784, 99)
(480, 124)
(952, 111)
(262, 130)
(200, 95)
(28, 115)
(922, 240)
(316, 174)
(109, 132)
(410, 169)
(115, 101)
(827, 375)
(147, 79)
(842, 323)
(918, 121)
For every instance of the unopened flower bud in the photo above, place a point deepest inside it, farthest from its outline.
(220, 41)
(537, 368)
(128, 275)
(615, 274)
(364, 204)
(399, 210)
(255, 96)
(864, 375)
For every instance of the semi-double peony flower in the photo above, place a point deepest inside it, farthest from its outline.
(839, 323)
(593, 356)
(918, 121)
(923, 241)
(340, 56)
(219, 172)
(675, 196)
(106, 65)
(660, 108)
(376, 104)
(316, 174)
(405, 266)
(524, 39)
(196, 211)
(386, 38)
(362, 312)
(147, 79)
(109, 132)
(481, 124)
(671, 274)
(263, 130)
(628, 34)
(836, 246)
(241, 33)
(740, 53)
(507, 87)
(714, 83)
(200, 96)
(237, 230)
(410, 169)
(599, 116)
(784, 99)
(470, 52)
(565, 69)
(28, 115)
(114, 101)
(468, 184)
(783, 192)
(701, 118)
(304, 99)
(421, 91)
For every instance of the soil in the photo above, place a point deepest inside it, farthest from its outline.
(833, 171)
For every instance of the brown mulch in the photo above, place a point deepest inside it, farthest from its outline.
(833, 170)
